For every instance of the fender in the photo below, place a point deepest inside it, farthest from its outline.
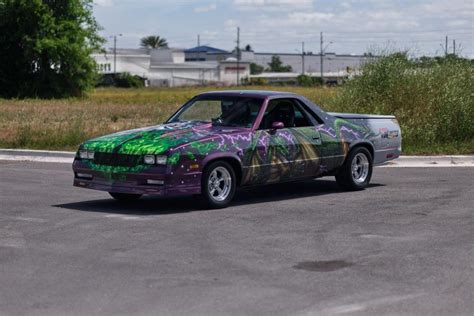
(222, 155)
(363, 142)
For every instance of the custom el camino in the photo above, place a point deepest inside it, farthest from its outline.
(222, 140)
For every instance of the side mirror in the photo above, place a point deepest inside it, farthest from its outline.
(278, 125)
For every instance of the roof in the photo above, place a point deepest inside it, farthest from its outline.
(249, 93)
(205, 49)
(288, 75)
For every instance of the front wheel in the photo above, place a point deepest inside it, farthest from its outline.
(218, 184)
(356, 171)
(125, 197)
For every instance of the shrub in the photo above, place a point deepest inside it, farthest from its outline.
(432, 98)
(254, 81)
(304, 81)
(123, 80)
(126, 80)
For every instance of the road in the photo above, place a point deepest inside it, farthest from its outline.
(403, 246)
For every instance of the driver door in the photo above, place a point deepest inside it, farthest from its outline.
(291, 152)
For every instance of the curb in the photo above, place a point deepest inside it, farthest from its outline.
(37, 155)
(402, 162)
(43, 153)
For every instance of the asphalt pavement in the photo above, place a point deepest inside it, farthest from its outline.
(403, 246)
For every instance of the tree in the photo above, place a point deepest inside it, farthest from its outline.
(153, 42)
(46, 46)
(255, 69)
(248, 48)
(276, 65)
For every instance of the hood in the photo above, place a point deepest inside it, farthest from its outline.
(155, 139)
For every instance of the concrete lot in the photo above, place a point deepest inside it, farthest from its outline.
(403, 246)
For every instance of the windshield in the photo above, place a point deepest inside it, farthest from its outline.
(221, 111)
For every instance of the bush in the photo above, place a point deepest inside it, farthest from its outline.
(254, 81)
(123, 80)
(308, 81)
(126, 80)
(304, 81)
(432, 98)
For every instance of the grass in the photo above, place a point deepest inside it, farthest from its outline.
(64, 124)
(432, 99)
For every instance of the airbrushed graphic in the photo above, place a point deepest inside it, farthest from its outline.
(259, 155)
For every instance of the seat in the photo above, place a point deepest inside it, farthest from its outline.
(283, 112)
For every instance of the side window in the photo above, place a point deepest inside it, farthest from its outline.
(286, 111)
(301, 118)
(310, 115)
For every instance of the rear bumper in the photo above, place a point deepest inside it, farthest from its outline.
(386, 154)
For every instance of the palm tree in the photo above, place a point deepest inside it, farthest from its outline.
(153, 42)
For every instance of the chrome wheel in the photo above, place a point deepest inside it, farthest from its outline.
(360, 168)
(219, 184)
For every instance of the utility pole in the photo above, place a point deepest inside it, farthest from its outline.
(454, 47)
(198, 47)
(201, 72)
(446, 46)
(321, 57)
(115, 52)
(302, 58)
(238, 56)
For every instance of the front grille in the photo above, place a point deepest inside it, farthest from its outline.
(117, 160)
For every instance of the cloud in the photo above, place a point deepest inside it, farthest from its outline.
(209, 8)
(271, 4)
(104, 3)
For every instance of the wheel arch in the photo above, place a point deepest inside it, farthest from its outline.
(232, 160)
(364, 144)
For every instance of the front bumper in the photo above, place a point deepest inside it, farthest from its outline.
(136, 183)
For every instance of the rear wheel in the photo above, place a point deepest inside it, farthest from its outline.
(125, 197)
(356, 171)
(218, 184)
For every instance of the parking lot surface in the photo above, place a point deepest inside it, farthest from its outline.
(403, 246)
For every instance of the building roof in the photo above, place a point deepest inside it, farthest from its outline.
(205, 49)
(288, 75)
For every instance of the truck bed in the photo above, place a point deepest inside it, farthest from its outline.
(348, 116)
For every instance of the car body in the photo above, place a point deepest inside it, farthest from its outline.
(282, 137)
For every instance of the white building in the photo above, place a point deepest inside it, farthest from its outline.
(332, 63)
(168, 67)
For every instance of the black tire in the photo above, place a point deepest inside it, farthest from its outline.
(349, 180)
(125, 197)
(209, 198)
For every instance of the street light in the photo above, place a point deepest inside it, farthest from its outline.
(321, 54)
(115, 51)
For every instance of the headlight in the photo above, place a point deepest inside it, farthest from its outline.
(86, 154)
(152, 159)
(161, 160)
(149, 159)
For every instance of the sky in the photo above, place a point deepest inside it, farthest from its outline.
(349, 26)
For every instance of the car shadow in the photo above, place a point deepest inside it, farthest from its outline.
(152, 205)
